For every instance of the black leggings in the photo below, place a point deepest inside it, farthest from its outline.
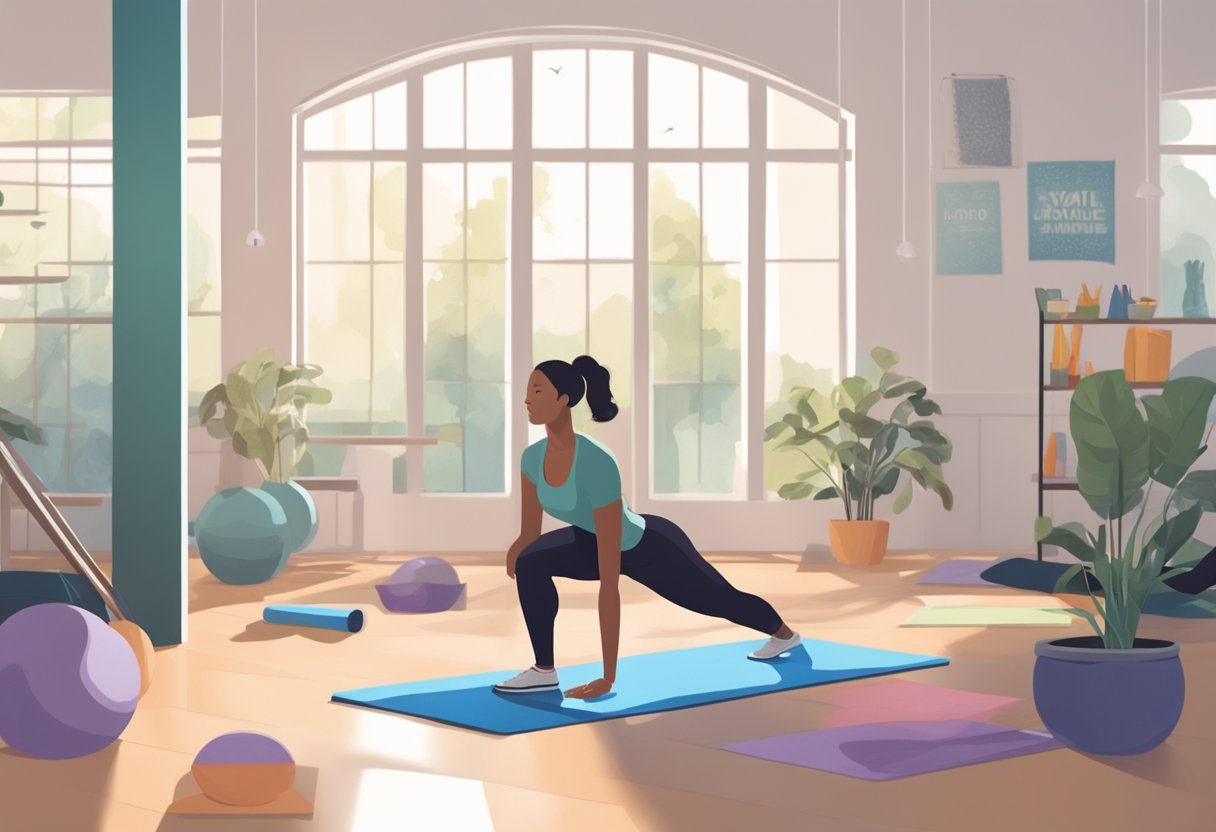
(663, 560)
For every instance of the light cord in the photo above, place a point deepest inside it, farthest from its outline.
(1146, 176)
(256, 115)
(904, 108)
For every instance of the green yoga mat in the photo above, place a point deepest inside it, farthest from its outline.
(990, 617)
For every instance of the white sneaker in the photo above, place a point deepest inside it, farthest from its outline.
(774, 647)
(530, 681)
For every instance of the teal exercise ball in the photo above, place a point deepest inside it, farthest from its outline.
(243, 536)
(300, 509)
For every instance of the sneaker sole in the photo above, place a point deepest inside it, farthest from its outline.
(535, 689)
(756, 658)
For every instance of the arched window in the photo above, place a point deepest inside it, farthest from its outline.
(680, 216)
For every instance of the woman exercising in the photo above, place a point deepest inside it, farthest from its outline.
(576, 480)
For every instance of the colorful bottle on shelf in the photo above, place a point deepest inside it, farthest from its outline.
(1195, 296)
(1059, 357)
(1049, 456)
(1074, 360)
(1120, 300)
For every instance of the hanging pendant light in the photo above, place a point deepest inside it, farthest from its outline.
(255, 239)
(905, 250)
(1148, 188)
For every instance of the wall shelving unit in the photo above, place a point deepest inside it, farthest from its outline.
(1043, 485)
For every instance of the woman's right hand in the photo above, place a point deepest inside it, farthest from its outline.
(512, 557)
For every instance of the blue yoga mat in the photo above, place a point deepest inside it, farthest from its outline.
(645, 684)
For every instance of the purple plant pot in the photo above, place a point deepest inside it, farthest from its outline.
(419, 597)
(1104, 701)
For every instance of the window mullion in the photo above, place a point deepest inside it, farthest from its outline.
(415, 295)
(754, 304)
(642, 455)
(519, 323)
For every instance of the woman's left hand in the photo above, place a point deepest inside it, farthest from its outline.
(590, 690)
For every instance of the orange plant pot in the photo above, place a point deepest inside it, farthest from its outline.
(859, 542)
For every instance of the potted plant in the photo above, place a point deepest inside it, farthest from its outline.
(260, 407)
(1115, 693)
(858, 456)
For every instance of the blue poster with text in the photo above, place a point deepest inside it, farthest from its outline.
(1072, 210)
(968, 228)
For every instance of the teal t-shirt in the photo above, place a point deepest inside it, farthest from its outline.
(594, 481)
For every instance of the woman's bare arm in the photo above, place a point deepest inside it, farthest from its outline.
(608, 538)
(529, 522)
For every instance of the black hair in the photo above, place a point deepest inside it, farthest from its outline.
(583, 375)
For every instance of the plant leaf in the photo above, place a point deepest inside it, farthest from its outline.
(1198, 488)
(19, 427)
(1042, 528)
(774, 430)
(904, 498)
(795, 491)
(1177, 419)
(884, 358)
(1068, 537)
(1112, 443)
(827, 494)
(1172, 534)
(923, 406)
(855, 388)
(864, 426)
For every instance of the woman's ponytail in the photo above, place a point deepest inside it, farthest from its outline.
(599, 392)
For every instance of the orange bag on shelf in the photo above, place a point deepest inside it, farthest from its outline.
(1146, 354)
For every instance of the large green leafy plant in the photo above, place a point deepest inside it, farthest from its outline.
(857, 455)
(18, 427)
(261, 408)
(1125, 450)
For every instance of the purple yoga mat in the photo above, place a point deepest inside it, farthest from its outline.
(959, 573)
(888, 750)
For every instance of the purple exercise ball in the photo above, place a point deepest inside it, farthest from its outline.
(68, 682)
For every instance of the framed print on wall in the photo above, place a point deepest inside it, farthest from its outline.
(1071, 209)
(968, 228)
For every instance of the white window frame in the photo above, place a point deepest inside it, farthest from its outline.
(69, 321)
(522, 156)
(1154, 225)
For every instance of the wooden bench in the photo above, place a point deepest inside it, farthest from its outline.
(7, 502)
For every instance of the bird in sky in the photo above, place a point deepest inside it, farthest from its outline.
(557, 71)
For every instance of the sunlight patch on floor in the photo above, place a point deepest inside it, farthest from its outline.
(389, 801)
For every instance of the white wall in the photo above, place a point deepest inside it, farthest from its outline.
(1080, 79)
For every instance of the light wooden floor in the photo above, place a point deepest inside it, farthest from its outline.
(374, 771)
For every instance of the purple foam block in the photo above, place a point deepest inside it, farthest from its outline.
(419, 597)
(888, 750)
(243, 747)
(959, 573)
(425, 570)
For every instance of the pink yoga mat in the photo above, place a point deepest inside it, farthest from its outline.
(900, 699)
(889, 750)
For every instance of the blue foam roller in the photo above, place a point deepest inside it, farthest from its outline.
(348, 621)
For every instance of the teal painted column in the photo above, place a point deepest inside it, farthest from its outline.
(149, 512)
